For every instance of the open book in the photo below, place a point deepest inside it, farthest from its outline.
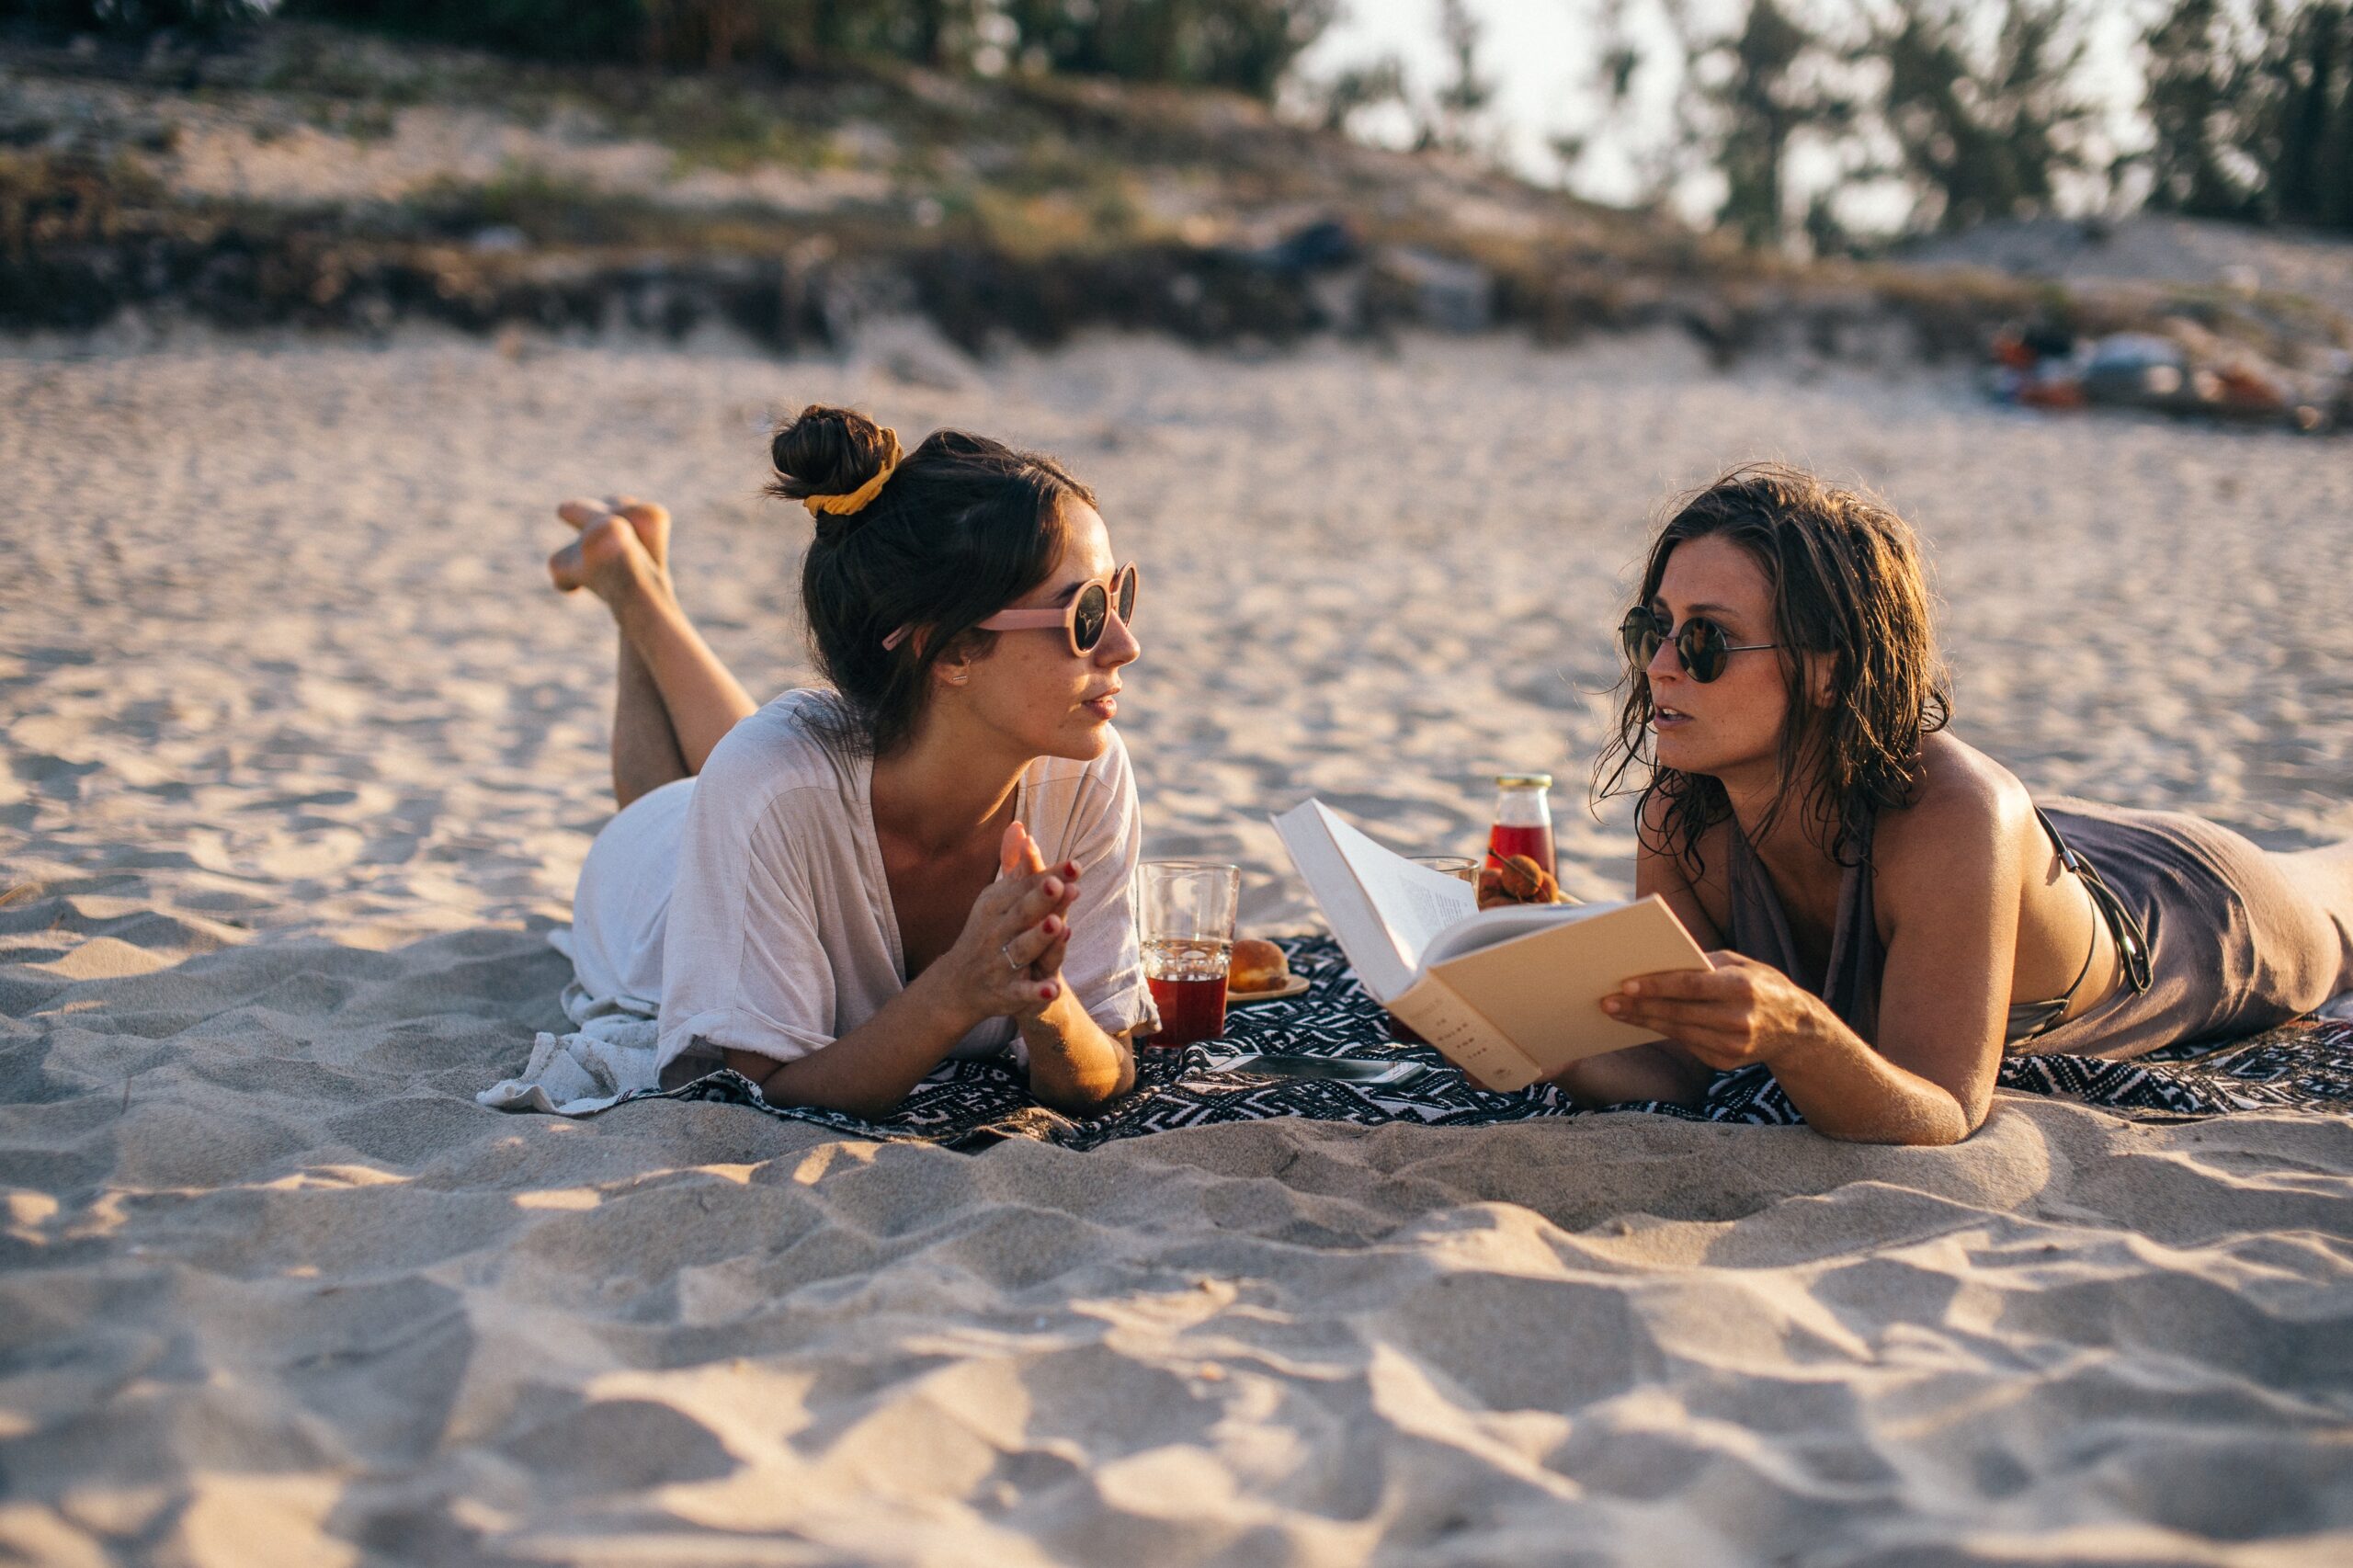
(1510, 995)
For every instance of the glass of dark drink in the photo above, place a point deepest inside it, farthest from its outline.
(1185, 910)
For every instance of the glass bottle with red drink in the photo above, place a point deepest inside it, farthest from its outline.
(1523, 825)
(1523, 821)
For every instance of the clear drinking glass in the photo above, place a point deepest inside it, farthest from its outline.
(1185, 913)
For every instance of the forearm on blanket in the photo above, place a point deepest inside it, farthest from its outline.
(869, 1070)
(1075, 1065)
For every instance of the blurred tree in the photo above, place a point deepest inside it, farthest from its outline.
(1976, 110)
(2192, 97)
(1620, 55)
(1974, 114)
(941, 32)
(1247, 45)
(2252, 112)
(131, 18)
(1744, 99)
(1466, 92)
(1244, 45)
(1984, 128)
(804, 33)
(561, 30)
(794, 33)
(1360, 87)
(711, 33)
(2312, 126)
(1763, 95)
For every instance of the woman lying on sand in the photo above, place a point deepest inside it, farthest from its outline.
(832, 893)
(1898, 910)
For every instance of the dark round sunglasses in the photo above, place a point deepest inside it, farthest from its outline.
(1701, 644)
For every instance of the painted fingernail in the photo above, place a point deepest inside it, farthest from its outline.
(1045, 994)
(1054, 888)
(1070, 870)
(1050, 925)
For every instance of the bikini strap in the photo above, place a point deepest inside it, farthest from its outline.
(2132, 941)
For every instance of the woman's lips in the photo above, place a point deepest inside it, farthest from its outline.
(1104, 707)
(1668, 719)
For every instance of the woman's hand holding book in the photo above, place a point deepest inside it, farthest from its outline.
(1736, 1014)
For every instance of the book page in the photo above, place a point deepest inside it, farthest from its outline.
(1383, 908)
(1504, 921)
(1414, 902)
(1356, 925)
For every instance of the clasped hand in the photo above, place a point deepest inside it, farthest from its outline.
(1735, 1014)
(1009, 961)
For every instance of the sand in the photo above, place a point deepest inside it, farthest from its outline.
(302, 757)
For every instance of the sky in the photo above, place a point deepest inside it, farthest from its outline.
(1540, 54)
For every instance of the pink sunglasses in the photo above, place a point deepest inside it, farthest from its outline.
(1084, 619)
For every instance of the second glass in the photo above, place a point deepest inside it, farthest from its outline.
(1185, 911)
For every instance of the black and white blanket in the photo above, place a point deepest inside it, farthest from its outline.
(2305, 1066)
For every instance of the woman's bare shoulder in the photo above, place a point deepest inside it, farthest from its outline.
(1965, 802)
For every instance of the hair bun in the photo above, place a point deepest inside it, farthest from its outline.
(827, 451)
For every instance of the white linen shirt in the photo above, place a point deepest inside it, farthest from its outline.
(749, 906)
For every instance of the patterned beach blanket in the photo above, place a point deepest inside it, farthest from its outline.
(2304, 1065)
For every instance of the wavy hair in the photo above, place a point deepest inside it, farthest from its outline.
(1846, 582)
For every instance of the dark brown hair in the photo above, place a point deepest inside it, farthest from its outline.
(963, 526)
(1846, 582)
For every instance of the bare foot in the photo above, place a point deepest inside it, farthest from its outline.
(608, 558)
(651, 520)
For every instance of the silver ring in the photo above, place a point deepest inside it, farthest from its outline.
(1009, 964)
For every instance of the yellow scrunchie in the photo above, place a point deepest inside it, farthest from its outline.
(843, 506)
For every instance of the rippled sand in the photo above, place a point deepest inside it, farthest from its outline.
(301, 755)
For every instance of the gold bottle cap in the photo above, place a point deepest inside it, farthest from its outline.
(1523, 781)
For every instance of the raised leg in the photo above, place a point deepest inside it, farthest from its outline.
(645, 749)
(674, 698)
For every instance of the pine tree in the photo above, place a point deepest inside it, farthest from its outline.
(1765, 103)
(1467, 90)
(1986, 131)
(2253, 119)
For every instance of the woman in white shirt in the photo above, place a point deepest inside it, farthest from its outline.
(833, 892)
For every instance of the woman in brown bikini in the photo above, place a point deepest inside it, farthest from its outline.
(1895, 912)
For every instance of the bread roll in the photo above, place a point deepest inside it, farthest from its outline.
(1258, 965)
(1518, 880)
